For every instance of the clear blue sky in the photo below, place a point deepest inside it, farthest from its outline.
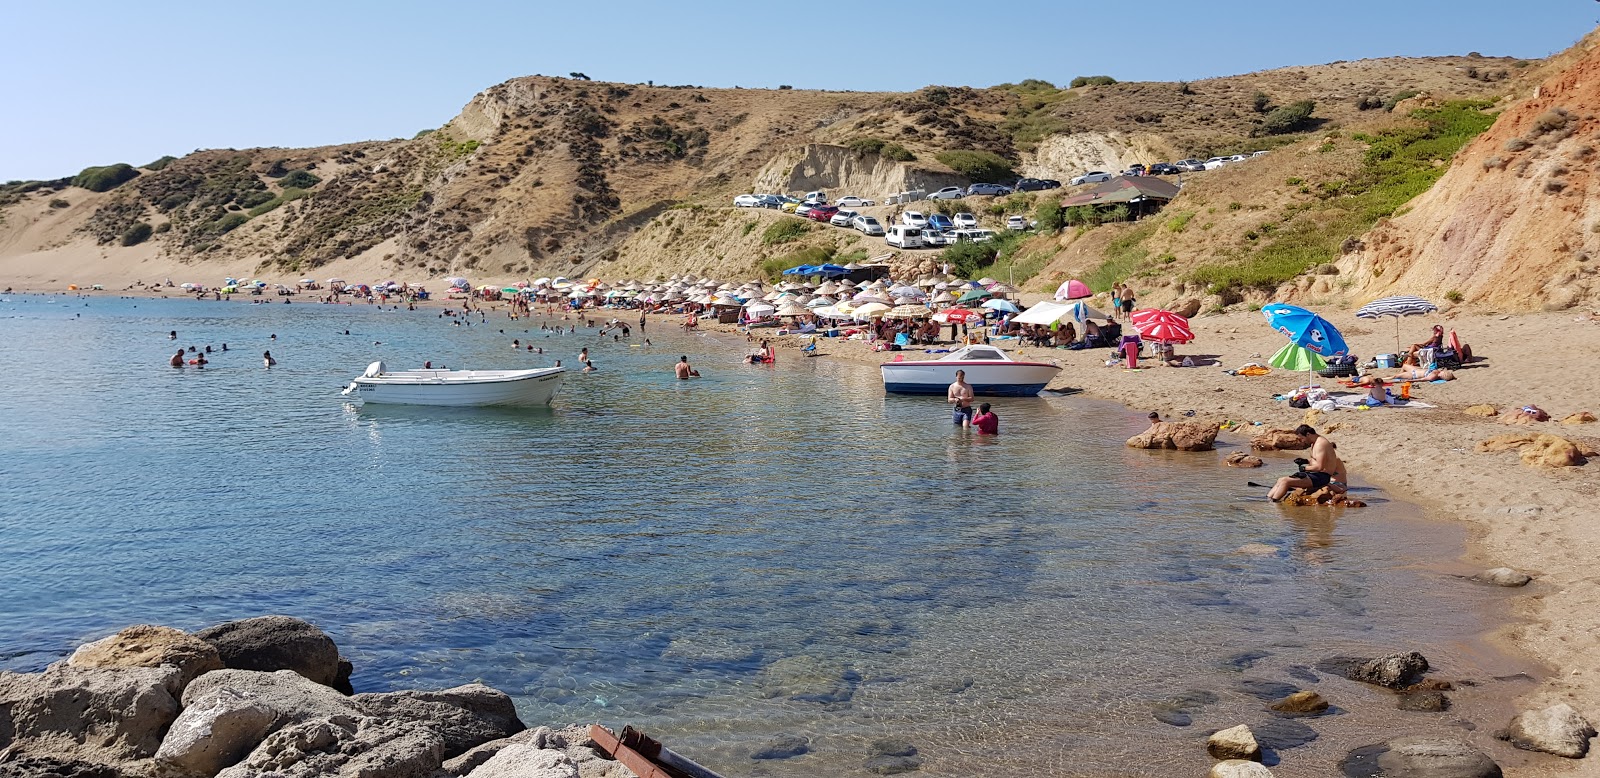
(93, 82)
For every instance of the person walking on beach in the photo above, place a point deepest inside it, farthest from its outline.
(960, 396)
(684, 370)
(1324, 470)
(1116, 299)
(986, 421)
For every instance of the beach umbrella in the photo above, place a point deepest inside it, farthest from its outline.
(792, 310)
(1297, 358)
(1304, 328)
(1002, 305)
(1003, 289)
(871, 310)
(957, 315)
(973, 294)
(869, 297)
(987, 281)
(943, 297)
(1073, 290)
(1163, 326)
(759, 309)
(912, 311)
(1399, 307)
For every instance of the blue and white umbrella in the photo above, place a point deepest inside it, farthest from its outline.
(1002, 305)
(1304, 328)
(1398, 306)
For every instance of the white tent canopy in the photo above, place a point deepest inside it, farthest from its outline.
(1050, 313)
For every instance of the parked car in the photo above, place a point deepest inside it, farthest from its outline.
(1136, 169)
(936, 238)
(1216, 162)
(817, 198)
(771, 201)
(789, 207)
(947, 193)
(965, 221)
(988, 189)
(1191, 165)
(972, 236)
(801, 210)
(821, 213)
(1036, 184)
(1238, 157)
(866, 225)
(1092, 177)
(1163, 169)
(904, 236)
(1018, 223)
(900, 198)
(938, 221)
(747, 201)
(1258, 153)
(851, 201)
(842, 218)
(914, 219)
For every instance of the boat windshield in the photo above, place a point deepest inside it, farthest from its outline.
(982, 353)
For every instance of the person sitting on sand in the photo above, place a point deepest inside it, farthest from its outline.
(177, 359)
(684, 370)
(986, 421)
(1377, 394)
(1324, 470)
(1411, 371)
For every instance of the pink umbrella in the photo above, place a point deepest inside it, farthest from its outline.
(1073, 290)
(960, 315)
(1162, 326)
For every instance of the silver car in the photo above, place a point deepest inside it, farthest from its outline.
(866, 225)
(842, 218)
(948, 193)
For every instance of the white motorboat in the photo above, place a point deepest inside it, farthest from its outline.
(989, 370)
(456, 387)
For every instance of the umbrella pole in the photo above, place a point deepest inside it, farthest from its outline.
(1397, 336)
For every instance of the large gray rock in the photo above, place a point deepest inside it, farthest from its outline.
(216, 731)
(1420, 757)
(572, 741)
(1558, 729)
(346, 746)
(1239, 768)
(524, 760)
(465, 716)
(271, 643)
(144, 645)
(295, 697)
(1395, 671)
(96, 714)
(1505, 576)
(1234, 743)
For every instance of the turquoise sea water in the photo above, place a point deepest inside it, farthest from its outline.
(767, 551)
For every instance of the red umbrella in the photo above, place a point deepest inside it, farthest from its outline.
(1163, 326)
(960, 315)
(1073, 290)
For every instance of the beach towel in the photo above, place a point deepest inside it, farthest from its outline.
(1352, 400)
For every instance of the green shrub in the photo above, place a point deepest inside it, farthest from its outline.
(253, 199)
(1123, 255)
(784, 231)
(298, 179)
(1261, 102)
(225, 224)
(422, 134)
(161, 163)
(1049, 216)
(977, 165)
(59, 203)
(288, 196)
(1289, 118)
(1394, 99)
(136, 234)
(1179, 221)
(1092, 81)
(163, 227)
(104, 179)
(1454, 295)
(881, 147)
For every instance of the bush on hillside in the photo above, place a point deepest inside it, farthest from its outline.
(1394, 99)
(138, 233)
(1092, 81)
(253, 199)
(882, 148)
(1289, 118)
(298, 179)
(59, 203)
(1261, 102)
(784, 231)
(161, 163)
(977, 165)
(1049, 216)
(104, 179)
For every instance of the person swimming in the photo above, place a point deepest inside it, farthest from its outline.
(267, 361)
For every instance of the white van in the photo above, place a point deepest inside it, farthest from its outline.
(904, 236)
(816, 198)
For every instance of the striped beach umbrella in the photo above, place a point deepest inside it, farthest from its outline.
(1399, 307)
(1162, 326)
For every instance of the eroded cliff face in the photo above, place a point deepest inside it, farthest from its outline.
(1064, 156)
(1514, 224)
(836, 169)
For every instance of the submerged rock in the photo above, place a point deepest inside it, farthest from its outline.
(1283, 734)
(782, 748)
(1419, 757)
(809, 679)
(1241, 459)
(1178, 710)
(1301, 704)
(1424, 702)
(145, 645)
(1266, 690)
(1558, 729)
(271, 643)
(1234, 743)
(1505, 576)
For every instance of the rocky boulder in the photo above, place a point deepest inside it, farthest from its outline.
(1186, 308)
(573, 741)
(1420, 757)
(1581, 417)
(1278, 440)
(98, 714)
(1505, 576)
(215, 731)
(293, 696)
(1176, 435)
(1301, 704)
(271, 643)
(145, 645)
(465, 716)
(1241, 459)
(1239, 768)
(344, 746)
(14, 765)
(522, 760)
(1484, 411)
(1558, 729)
(1395, 671)
(1234, 743)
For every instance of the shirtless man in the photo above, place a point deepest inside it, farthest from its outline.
(960, 395)
(1325, 468)
(684, 371)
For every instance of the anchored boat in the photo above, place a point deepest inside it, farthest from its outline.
(456, 387)
(989, 370)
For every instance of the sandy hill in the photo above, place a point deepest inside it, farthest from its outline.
(540, 176)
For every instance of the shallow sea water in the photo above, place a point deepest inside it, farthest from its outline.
(764, 552)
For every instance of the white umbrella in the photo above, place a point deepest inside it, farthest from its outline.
(759, 309)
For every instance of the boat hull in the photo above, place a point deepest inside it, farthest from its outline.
(990, 379)
(537, 388)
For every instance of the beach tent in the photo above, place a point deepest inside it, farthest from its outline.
(1073, 290)
(1044, 313)
(973, 294)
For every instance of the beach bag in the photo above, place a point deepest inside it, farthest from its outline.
(1299, 401)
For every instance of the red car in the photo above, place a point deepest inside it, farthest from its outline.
(822, 213)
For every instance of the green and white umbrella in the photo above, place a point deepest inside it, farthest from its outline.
(1297, 358)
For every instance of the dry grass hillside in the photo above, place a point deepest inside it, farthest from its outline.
(542, 175)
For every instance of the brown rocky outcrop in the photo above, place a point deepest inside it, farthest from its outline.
(1188, 309)
(1581, 417)
(144, 645)
(1481, 410)
(1176, 435)
(97, 714)
(1537, 449)
(1278, 440)
(1241, 459)
(270, 643)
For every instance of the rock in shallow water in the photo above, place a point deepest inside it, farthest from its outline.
(1239, 768)
(782, 748)
(1419, 757)
(1505, 576)
(1265, 690)
(271, 643)
(1395, 671)
(1558, 729)
(809, 679)
(1234, 743)
(1423, 702)
(1301, 704)
(1179, 435)
(1282, 734)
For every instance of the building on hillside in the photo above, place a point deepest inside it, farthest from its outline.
(1143, 195)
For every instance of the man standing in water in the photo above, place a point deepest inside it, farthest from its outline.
(960, 395)
(1324, 469)
(683, 370)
